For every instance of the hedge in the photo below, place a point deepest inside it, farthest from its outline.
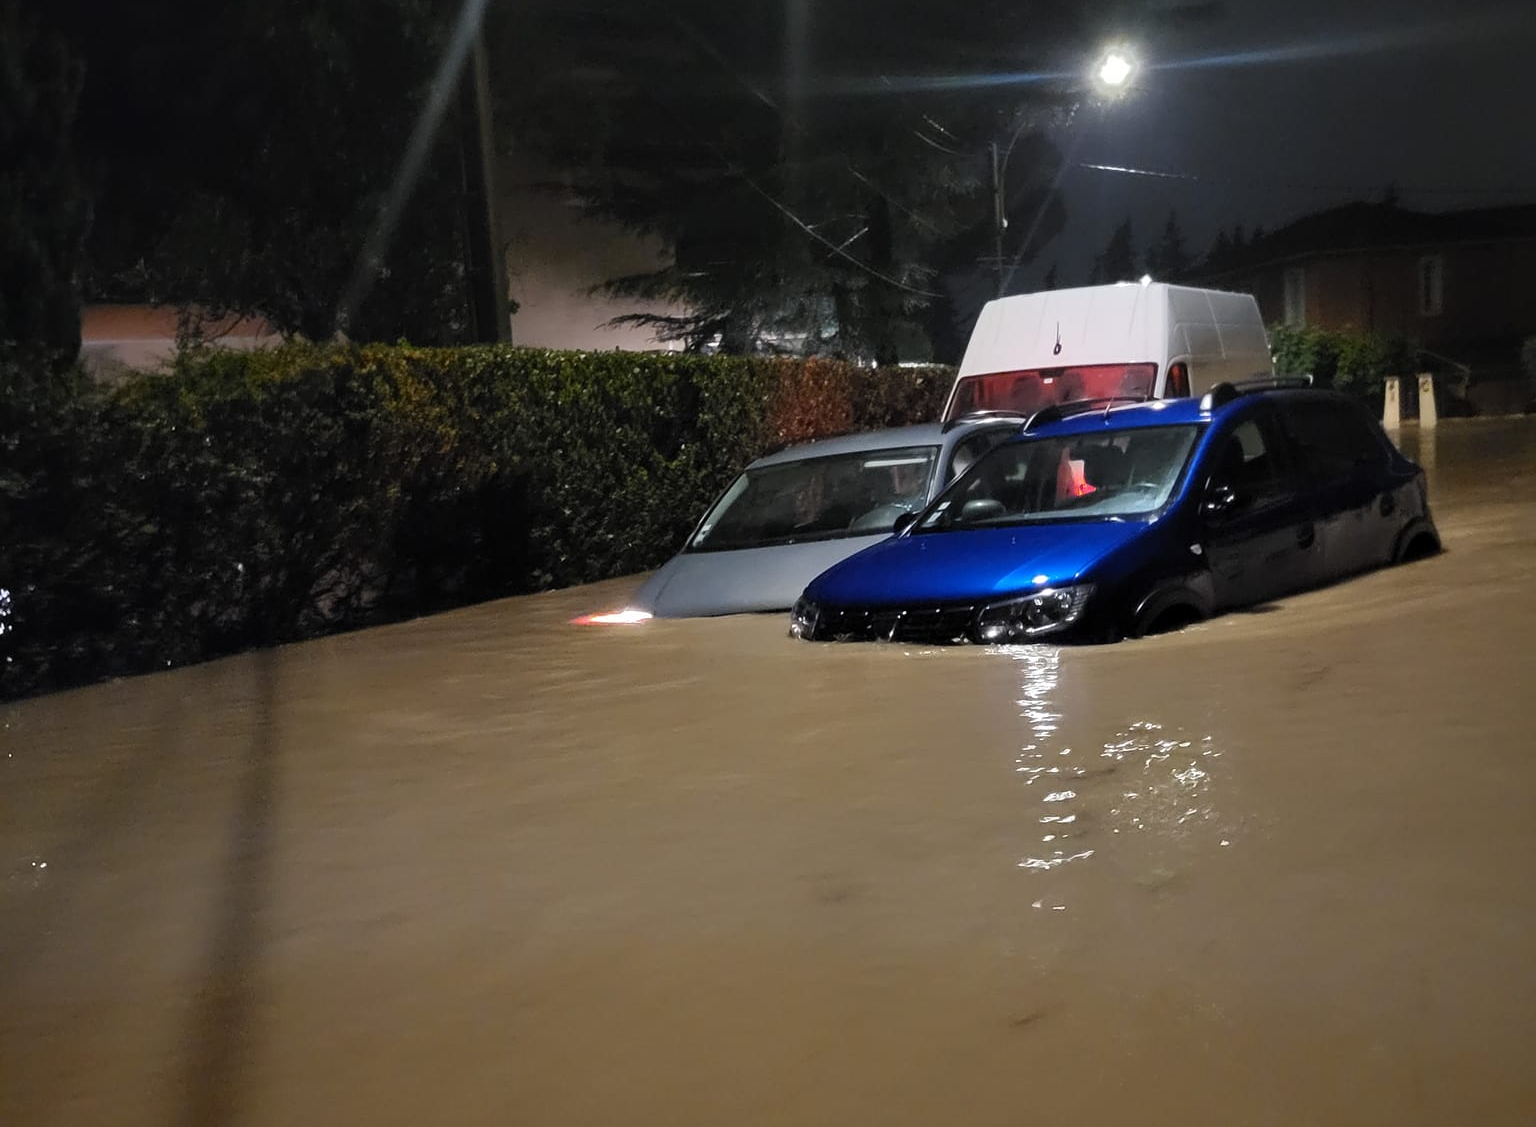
(248, 499)
(1351, 361)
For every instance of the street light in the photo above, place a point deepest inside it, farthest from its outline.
(1111, 75)
(1114, 71)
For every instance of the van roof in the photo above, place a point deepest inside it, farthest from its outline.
(1116, 324)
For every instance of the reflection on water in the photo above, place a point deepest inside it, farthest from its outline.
(489, 868)
(1141, 778)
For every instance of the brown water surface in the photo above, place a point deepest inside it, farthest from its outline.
(488, 868)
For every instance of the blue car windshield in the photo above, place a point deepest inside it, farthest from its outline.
(1102, 475)
(858, 494)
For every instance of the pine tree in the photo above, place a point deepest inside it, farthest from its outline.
(1167, 260)
(1117, 262)
(1221, 248)
(840, 205)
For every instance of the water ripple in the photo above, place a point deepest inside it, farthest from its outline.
(1144, 777)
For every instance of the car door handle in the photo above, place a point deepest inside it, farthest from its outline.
(1388, 504)
(1306, 535)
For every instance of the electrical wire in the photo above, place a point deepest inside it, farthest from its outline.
(1354, 189)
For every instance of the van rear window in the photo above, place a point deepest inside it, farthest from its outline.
(1030, 390)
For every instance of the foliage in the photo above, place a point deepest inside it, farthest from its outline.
(1167, 260)
(43, 210)
(1117, 262)
(1350, 361)
(824, 176)
(248, 499)
(241, 155)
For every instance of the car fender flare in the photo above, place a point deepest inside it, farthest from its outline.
(1418, 526)
(1186, 592)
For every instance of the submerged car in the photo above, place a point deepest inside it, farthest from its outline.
(1106, 520)
(792, 514)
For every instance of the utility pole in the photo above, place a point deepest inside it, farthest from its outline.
(999, 214)
(485, 267)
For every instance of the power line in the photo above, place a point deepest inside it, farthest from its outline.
(762, 96)
(822, 239)
(1356, 189)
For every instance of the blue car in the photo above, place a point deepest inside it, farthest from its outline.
(1109, 519)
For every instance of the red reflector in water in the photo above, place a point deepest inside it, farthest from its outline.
(613, 618)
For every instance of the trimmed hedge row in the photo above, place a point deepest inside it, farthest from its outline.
(1351, 361)
(248, 499)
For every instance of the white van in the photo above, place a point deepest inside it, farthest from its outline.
(1097, 342)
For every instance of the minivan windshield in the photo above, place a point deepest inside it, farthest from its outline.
(824, 498)
(1104, 475)
(1029, 390)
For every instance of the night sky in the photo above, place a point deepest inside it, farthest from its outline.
(1301, 105)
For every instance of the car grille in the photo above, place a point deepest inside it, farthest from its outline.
(932, 625)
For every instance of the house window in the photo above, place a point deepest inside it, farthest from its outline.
(1431, 285)
(1296, 296)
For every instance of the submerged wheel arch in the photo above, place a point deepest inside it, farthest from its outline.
(1417, 541)
(1170, 606)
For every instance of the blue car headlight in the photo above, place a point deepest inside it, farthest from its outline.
(1044, 612)
(803, 619)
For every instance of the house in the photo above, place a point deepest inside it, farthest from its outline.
(1462, 284)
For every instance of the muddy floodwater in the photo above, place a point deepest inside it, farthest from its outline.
(489, 868)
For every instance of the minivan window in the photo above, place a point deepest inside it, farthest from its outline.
(967, 452)
(821, 498)
(1333, 439)
(1097, 476)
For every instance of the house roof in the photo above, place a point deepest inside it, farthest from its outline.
(1361, 226)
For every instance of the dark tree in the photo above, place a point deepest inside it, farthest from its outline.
(1221, 248)
(1167, 259)
(825, 177)
(43, 211)
(240, 156)
(1050, 281)
(1117, 262)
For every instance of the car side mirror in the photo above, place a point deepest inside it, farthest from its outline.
(1223, 501)
(903, 522)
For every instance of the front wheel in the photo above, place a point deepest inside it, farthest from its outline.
(1168, 609)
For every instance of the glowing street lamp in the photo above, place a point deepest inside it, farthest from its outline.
(1111, 75)
(1115, 70)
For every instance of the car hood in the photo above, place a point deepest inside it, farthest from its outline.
(696, 584)
(971, 565)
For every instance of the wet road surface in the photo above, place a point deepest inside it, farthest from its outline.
(487, 868)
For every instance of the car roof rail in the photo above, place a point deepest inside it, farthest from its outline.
(1226, 392)
(981, 417)
(1058, 411)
